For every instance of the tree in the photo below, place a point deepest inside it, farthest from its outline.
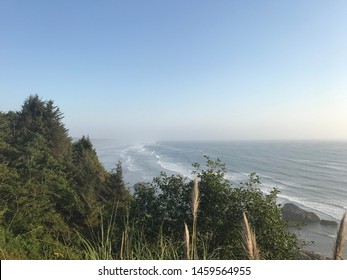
(115, 191)
(89, 177)
(37, 116)
(50, 188)
(166, 205)
(163, 205)
(37, 202)
(88, 171)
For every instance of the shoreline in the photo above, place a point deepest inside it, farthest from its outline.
(319, 234)
(314, 188)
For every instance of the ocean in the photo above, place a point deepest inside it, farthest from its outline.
(311, 174)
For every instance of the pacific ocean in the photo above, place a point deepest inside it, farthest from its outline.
(311, 174)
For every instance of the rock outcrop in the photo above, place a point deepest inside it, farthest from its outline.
(293, 213)
(329, 223)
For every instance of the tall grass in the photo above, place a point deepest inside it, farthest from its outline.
(191, 250)
(250, 240)
(340, 239)
(187, 241)
(195, 206)
(132, 244)
(101, 246)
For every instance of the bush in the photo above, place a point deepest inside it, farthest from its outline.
(166, 205)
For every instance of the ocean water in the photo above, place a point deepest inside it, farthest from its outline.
(311, 174)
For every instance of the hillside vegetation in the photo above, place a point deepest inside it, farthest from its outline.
(58, 202)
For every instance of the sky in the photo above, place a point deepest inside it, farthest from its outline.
(180, 69)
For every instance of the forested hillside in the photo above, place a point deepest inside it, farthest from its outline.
(50, 187)
(58, 202)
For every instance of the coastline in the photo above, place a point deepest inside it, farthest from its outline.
(318, 246)
(309, 174)
(319, 234)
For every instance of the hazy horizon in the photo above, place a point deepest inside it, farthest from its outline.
(145, 71)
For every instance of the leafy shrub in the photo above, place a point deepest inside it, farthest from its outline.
(166, 204)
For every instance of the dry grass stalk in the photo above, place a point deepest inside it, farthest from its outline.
(250, 240)
(256, 252)
(195, 206)
(122, 246)
(187, 239)
(340, 239)
(195, 200)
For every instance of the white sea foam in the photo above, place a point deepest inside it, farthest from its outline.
(311, 175)
(129, 162)
(139, 148)
(131, 165)
(176, 168)
(236, 176)
(128, 157)
(334, 211)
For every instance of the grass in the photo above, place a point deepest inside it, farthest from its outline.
(195, 206)
(191, 250)
(130, 243)
(340, 239)
(250, 240)
(187, 241)
(135, 246)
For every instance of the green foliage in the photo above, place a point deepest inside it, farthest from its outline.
(163, 204)
(88, 171)
(116, 189)
(58, 202)
(50, 188)
(98, 190)
(44, 118)
(166, 204)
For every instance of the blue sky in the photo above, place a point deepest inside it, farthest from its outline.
(180, 70)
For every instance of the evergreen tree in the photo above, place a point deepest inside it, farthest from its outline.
(89, 177)
(42, 117)
(37, 201)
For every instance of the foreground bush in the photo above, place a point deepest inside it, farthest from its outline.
(166, 205)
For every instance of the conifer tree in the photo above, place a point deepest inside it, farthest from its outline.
(37, 116)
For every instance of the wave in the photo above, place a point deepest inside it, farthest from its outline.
(236, 177)
(131, 165)
(336, 166)
(306, 179)
(176, 168)
(323, 209)
(128, 156)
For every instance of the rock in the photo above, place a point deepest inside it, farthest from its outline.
(293, 213)
(141, 185)
(329, 223)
